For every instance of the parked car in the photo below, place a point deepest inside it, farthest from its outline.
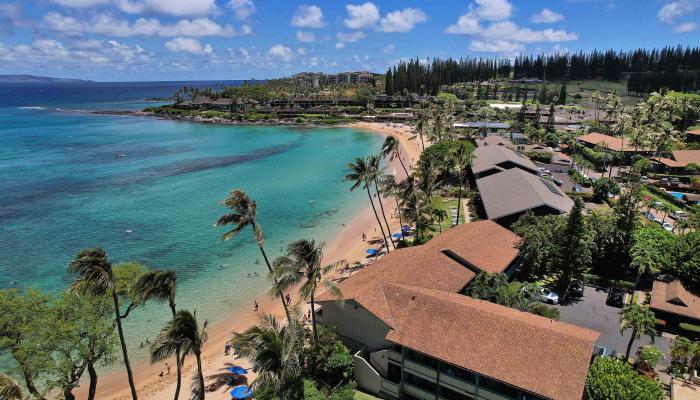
(616, 297)
(558, 182)
(667, 226)
(643, 178)
(679, 215)
(549, 297)
(665, 278)
(577, 189)
(664, 181)
(648, 215)
(576, 288)
(675, 182)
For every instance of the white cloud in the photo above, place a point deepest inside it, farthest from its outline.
(493, 10)
(388, 49)
(403, 20)
(685, 27)
(496, 46)
(281, 52)
(546, 16)
(242, 9)
(467, 24)
(350, 37)
(670, 11)
(361, 16)
(510, 31)
(306, 37)
(188, 45)
(340, 45)
(169, 7)
(308, 17)
(106, 24)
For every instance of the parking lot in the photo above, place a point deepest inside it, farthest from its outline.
(591, 312)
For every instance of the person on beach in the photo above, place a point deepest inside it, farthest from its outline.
(227, 348)
(256, 305)
(364, 237)
(167, 369)
(289, 299)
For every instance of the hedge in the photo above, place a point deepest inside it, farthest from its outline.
(690, 330)
(601, 281)
(585, 196)
(541, 156)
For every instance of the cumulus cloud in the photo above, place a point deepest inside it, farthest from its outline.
(361, 16)
(493, 10)
(510, 31)
(388, 49)
(281, 53)
(496, 46)
(11, 17)
(307, 16)
(546, 16)
(402, 20)
(306, 37)
(685, 27)
(107, 24)
(467, 24)
(188, 45)
(670, 11)
(242, 9)
(350, 37)
(340, 45)
(169, 7)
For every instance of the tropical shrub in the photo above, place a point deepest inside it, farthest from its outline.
(540, 156)
(612, 379)
(605, 186)
(648, 357)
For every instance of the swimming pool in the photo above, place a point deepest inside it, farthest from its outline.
(677, 195)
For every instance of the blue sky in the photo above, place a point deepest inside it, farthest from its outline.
(117, 40)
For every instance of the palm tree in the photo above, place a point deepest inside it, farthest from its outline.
(161, 286)
(274, 351)
(96, 277)
(461, 158)
(182, 336)
(361, 175)
(303, 264)
(392, 149)
(376, 173)
(10, 389)
(641, 320)
(244, 215)
(422, 127)
(439, 215)
(390, 187)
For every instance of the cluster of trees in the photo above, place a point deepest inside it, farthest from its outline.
(523, 296)
(609, 378)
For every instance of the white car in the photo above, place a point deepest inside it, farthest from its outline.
(549, 297)
(667, 226)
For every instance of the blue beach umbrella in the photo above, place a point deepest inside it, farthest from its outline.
(396, 235)
(237, 370)
(241, 392)
(371, 252)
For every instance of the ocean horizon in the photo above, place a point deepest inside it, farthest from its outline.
(148, 190)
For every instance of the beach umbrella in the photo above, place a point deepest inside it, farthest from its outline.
(396, 235)
(241, 392)
(237, 370)
(371, 252)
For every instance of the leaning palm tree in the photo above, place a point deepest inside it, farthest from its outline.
(182, 335)
(244, 215)
(97, 277)
(361, 175)
(389, 186)
(161, 286)
(422, 127)
(302, 264)
(392, 149)
(375, 173)
(641, 320)
(10, 389)
(274, 351)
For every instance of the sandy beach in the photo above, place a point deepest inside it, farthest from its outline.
(347, 245)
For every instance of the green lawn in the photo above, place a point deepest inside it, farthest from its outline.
(646, 192)
(364, 396)
(438, 202)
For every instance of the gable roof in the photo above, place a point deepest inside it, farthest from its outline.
(694, 132)
(514, 191)
(494, 140)
(534, 353)
(686, 157)
(675, 299)
(611, 142)
(483, 245)
(489, 157)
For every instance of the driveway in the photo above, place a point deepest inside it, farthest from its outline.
(592, 312)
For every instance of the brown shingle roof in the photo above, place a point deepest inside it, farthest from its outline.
(483, 244)
(694, 132)
(537, 354)
(489, 157)
(686, 157)
(611, 142)
(495, 141)
(675, 299)
(514, 191)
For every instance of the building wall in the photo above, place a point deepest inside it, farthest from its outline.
(351, 321)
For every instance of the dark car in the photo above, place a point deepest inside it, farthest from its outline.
(576, 288)
(616, 297)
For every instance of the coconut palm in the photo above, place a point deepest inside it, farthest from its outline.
(439, 215)
(422, 127)
(274, 351)
(245, 215)
(97, 277)
(641, 320)
(461, 158)
(375, 173)
(392, 149)
(161, 286)
(182, 335)
(388, 185)
(361, 175)
(302, 264)
(10, 389)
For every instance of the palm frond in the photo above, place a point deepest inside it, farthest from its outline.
(9, 388)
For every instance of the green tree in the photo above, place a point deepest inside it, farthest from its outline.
(422, 128)
(461, 158)
(612, 379)
(302, 264)
(361, 175)
(550, 119)
(375, 173)
(537, 246)
(648, 357)
(96, 276)
(574, 254)
(182, 335)
(274, 351)
(439, 215)
(681, 352)
(562, 94)
(641, 320)
(243, 215)
(604, 186)
(161, 286)
(652, 251)
(391, 148)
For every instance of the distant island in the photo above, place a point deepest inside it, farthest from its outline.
(38, 79)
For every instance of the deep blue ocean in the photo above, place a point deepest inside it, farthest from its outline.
(148, 190)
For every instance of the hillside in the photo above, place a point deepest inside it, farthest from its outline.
(38, 79)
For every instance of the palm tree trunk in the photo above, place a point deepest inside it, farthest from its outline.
(68, 393)
(178, 364)
(29, 382)
(459, 198)
(93, 381)
(629, 345)
(313, 318)
(398, 212)
(398, 155)
(198, 354)
(381, 228)
(284, 302)
(125, 354)
(381, 205)
(422, 144)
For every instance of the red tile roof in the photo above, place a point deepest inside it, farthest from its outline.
(611, 142)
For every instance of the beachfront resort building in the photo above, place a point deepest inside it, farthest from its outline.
(416, 336)
(489, 159)
(677, 162)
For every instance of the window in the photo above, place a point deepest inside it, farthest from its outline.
(420, 382)
(528, 396)
(498, 387)
(456, 372)
(394, 373)
(453, 395)
(421, 359)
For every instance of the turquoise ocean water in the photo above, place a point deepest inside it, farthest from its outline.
(148, 190)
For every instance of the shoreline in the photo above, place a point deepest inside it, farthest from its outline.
(347, 245)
